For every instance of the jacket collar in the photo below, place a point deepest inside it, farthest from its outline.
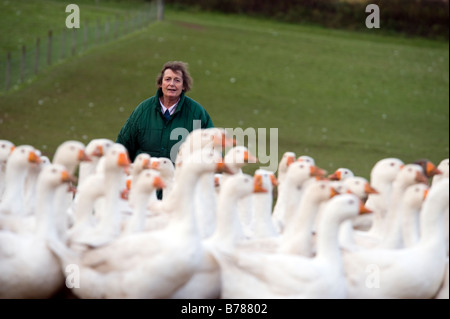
(180, 103)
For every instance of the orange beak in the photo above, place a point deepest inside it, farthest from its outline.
(363, 209)
(155, 165)
(290, 160)
(67, 178)
(425, 194)
(123, 160)
(98, 151)
(318, 172)
(158, 182)
(82, 156)
(146, 164)
(274, 180)
(333, 192)
(336, 176)
(258, 185)
(223, 168)
(369, 189)
(249, 158)
(33, 158)
(432, 170)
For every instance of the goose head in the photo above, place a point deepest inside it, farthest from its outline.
(385, 170)
(415, 195)
(23, 156)
(239, 156)
(141, 162)
(287, 159)
(96, 148)
(429, 169)
(6, 148)
(300, 172)
(269, 181)
(345, 206)
(341, 174)
(307, 159)
(360, 187)
(318, 191)
(164, 166)
(242, 185)
(410, 174)
(70, 154)
(147, 181)
(116, 158)
(53, 175)
(205, 161)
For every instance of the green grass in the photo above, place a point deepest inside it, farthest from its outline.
(21, 22)
(346, 99)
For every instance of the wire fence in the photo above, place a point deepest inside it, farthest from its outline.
(22, 66)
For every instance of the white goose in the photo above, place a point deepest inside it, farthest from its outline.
(444, 168)
(28, 268)
(382, 176)
(297, 237)
(287, 159)
(19, 162)
(260, 275)
(69, 154)
(205, 282)
(167, 170)
(112, 181)
(410, 174)
(360, 187)
(95, 149)
(150, 264)
(262, 224)
(297, 175)
(6, 148)
(236, 158)
(414, 272)
(142, 188)
(411, 207)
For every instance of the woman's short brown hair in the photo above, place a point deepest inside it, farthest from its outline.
(176, 66)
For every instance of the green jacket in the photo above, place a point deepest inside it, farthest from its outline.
(147, 131)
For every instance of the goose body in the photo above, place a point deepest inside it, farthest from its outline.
(414, 272)
(28, 268)
(262, 275)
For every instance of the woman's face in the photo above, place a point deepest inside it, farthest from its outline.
(172, 84)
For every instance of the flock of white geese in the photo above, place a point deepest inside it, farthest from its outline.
(218, 232)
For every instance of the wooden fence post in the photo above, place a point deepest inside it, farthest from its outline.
(160, 10)
(49, 50)
(22, 64)
(63, 44)
(36, 60)
(8, 71)
(74, 41)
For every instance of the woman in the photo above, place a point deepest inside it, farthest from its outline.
(149, 127)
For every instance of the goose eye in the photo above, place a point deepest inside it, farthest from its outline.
(357, 183)
(351, 202)
(302, 166)
(23, 151)
(3, 145)
(392, 164)
(53, 170)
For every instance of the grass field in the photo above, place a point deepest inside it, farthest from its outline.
(346, 99)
